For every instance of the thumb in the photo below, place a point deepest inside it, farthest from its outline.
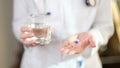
(92, 43)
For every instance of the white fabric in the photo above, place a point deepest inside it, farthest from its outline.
(68, 17)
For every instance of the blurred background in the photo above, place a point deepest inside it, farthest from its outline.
(11, 50)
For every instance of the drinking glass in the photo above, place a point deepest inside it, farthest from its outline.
(41, 28)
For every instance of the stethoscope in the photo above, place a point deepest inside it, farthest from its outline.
(90, 3)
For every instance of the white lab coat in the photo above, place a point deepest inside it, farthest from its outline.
(67, 18)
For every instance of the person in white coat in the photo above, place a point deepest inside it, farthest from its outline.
(81, 27)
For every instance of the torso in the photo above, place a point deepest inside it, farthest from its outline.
(68, 18)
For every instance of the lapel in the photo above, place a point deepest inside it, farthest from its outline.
(92, 15)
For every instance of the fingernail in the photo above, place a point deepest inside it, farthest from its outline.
(66, 51)
(28, 39)
(34, 38)
(72, 52)
(32, 34)
(92, 45)
(26, 32)
(62, 49)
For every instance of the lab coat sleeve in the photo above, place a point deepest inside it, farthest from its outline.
(19, 17)
(102, 28)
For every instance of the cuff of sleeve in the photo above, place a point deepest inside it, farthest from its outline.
(99, 40)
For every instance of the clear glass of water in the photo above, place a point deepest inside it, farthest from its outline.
(41, 28)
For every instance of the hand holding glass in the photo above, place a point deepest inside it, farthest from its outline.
(40, 28)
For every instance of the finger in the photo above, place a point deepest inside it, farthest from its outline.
(72, 38)
(82, 43)
(26, 35)
(69, 41)
(78, 48)
(74, 49)
(67, 49)
(91, 42)
(26, 29)
(29, 42)
(63, 46)
(67, 45)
